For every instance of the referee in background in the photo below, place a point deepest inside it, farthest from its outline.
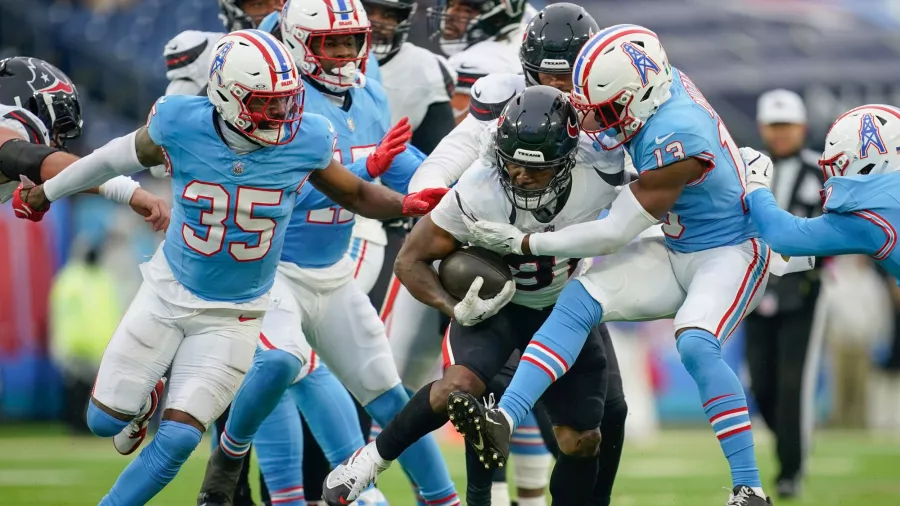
(785, 333)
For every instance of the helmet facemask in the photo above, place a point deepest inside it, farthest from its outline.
(458, 24)
(608, 119)
(535, 198)
(271, 118)
(334, 58)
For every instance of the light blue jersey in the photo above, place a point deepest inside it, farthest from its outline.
(319, 232)
(710, 211)
(861, 216)
(230, 211)
(272, 22)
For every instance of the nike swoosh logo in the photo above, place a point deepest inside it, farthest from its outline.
(242, 319)
(480, 444)
(467, 66)
(477, 93)
(660, 140)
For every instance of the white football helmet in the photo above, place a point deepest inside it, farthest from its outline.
(305, 29)
(254, 85)
(622, 75)
(864, 140)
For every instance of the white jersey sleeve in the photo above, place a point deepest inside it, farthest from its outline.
(187, 61)
(483, 58)
(460, 148)
(24, 123)
(414, 79)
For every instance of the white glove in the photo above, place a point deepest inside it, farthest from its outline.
(473, 309)
(759, 170)
(500, 238)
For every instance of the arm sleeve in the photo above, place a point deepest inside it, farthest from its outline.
(826, 235)
(438, 122)
(626, 219)
(118, 157)
(452, 156)
(402, 169)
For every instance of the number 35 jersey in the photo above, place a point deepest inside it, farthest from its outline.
(710, 211)
(230, 211)
(478, 195)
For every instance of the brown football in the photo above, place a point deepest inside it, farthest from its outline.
(458, 269)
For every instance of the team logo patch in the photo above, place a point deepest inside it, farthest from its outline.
(641, 62)
(870, 136)
(572, 128)
(238, 168)
(218, 63)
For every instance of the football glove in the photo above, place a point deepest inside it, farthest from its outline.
(22, 209)
(501, 238)
(759, 170)
(421, 203)
(473, 309)
(393, 143)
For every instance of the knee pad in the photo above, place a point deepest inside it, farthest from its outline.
(102, 423)
(278, 367)
(173, 444)
(579, 443)
(500, 494)
(696, 347)
(615, 412)
(532, 471)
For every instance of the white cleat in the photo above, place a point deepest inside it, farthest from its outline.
(350, 479)
(131, 437)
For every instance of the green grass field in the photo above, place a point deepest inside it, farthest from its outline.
(45, 467)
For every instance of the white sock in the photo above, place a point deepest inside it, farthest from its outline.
(509, 419)
(759, 491)
(532, 501)
(372, 450)
(500, 494)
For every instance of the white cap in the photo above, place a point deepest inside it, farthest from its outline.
(780, 106)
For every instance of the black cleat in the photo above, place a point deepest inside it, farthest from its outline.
(484, 427)
(742, 495)
(789, 488)
(221, 479)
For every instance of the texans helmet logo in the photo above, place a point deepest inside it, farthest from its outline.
(47, 79)
(641, 62)
(572, 128)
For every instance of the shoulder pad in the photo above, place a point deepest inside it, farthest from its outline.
(839, 195)
(187, 54)
(480, 193)
(25, 123)
(491, 93)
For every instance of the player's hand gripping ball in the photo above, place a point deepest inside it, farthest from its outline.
(480, 279)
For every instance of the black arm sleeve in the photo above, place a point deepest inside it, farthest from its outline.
(437, 123)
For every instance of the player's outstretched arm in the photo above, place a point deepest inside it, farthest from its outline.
(426, 243)
(827, 235)
(123, 156)
(371, 200)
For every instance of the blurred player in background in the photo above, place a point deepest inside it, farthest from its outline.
(39, 112)
(708, 273)
(200, 309)
(479, 37)
(329, 43)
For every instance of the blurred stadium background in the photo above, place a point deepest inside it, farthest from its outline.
(836, 54)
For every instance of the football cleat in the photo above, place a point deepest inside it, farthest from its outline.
(484, 427)
(131, 437)
(347, 482)
(220, 480)
(742, 495)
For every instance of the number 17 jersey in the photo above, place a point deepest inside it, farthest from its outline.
(230, 211)
(710, 211)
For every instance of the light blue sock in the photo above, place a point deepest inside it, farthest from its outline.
(526, 440)
(723, 401)
(271, 374)
(102, 423)
(330, 414)
(156, 466)
(422, 461)
(552, 350)
(279, 449)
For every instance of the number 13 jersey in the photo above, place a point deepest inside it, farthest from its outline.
(478, 195)
(710, 211)
(230, 211)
